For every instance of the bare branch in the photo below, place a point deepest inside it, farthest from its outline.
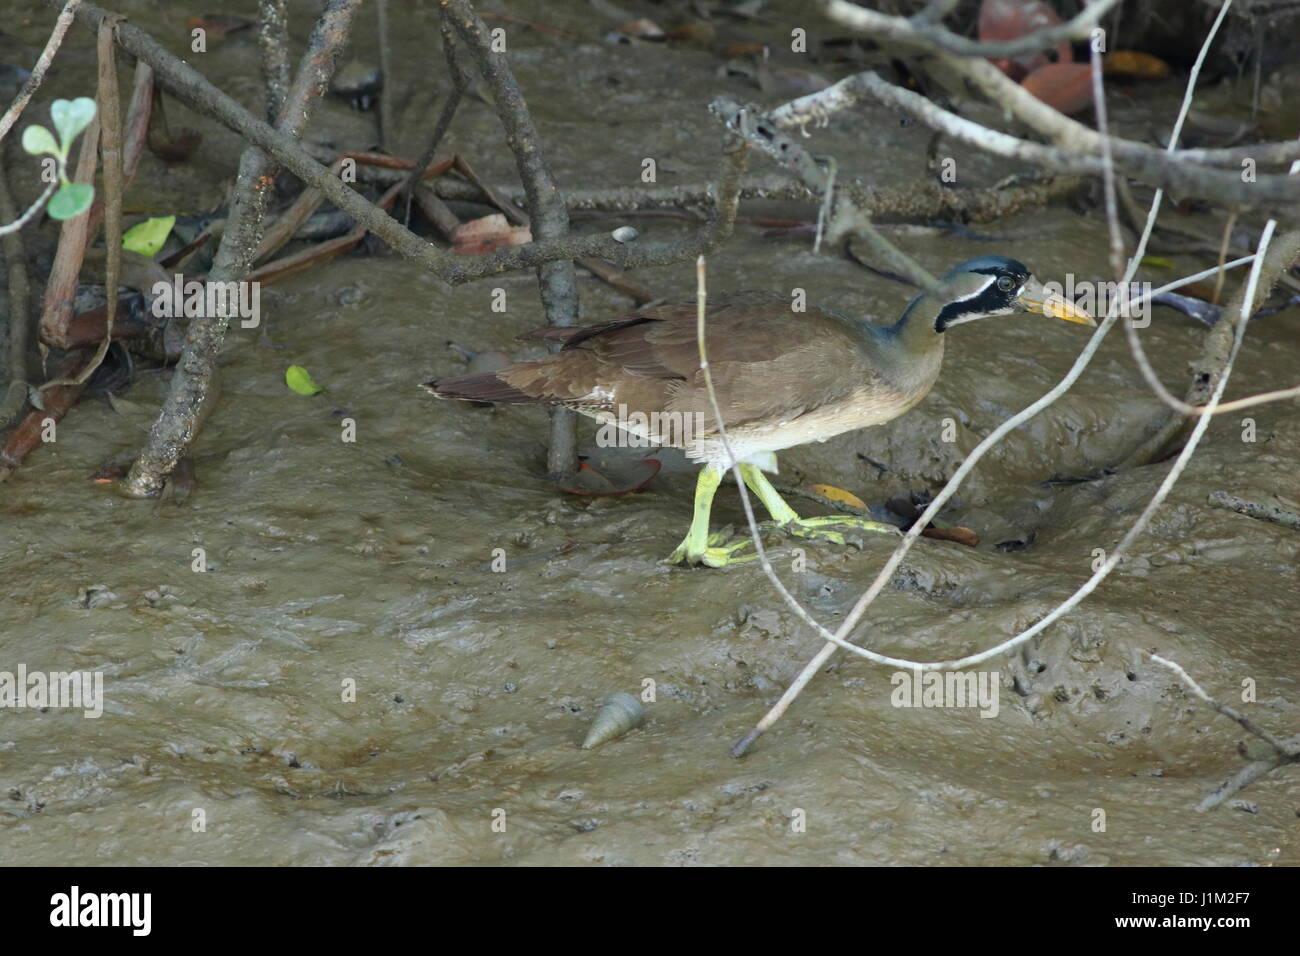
(1283, 516)
(1071, 137)
(273, 39)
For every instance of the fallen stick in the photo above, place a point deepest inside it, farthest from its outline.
(1277, 515)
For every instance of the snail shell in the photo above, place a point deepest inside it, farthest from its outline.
(617, 715)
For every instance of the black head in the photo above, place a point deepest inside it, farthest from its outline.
(998, 285)
(978, 288)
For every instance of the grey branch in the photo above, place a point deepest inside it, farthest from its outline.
(1284, 751)
(1274, 513)
(1071, 141)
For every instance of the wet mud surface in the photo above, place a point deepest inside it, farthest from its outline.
(369, 564)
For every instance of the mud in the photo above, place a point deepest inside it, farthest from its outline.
(333, 565)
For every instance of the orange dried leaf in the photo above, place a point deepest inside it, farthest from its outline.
(1063, 86)
(1133, 63)
(954, 533)
(831, 493)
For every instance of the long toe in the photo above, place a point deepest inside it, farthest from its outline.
(824, 528)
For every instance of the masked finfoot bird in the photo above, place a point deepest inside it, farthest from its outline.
(782, 378)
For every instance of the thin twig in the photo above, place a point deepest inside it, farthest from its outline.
(459, 83)
(387, 128)
(33, 83)
(549, 216)
(10, 228)
(1108, 165)
(273, 39)
(701, 298)
(1284, 751)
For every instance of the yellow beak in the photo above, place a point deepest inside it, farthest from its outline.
(1034, 298)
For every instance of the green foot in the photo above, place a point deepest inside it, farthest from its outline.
(718, 551)
(820, 527)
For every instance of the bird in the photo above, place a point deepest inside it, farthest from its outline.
(782, 378)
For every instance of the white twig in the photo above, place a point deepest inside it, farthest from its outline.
(701, 298)
(1282, 747)
(1108, 164)
(32, 210)
(1284, 751)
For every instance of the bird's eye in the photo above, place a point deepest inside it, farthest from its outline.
(1005, 283)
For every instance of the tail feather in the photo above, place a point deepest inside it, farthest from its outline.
(479, 387)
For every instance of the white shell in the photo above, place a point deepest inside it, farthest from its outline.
(618, 714)
(624, 234)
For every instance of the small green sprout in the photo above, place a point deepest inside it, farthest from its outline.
(71, 117)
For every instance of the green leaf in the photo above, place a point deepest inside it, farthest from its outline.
(299, 379)
(37, 140)
(1158, 262)
(71, 117)
(148, 237)
(72, 199)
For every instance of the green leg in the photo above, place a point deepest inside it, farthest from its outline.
(699, 547)
(781, 512)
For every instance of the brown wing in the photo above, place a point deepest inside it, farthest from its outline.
(766, 360)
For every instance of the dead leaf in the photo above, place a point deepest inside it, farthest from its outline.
(478, 236)
(1063, 86)
(620, 479)
(955, 533)
(831, 493)
(1133, 63)
(1013, 19)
